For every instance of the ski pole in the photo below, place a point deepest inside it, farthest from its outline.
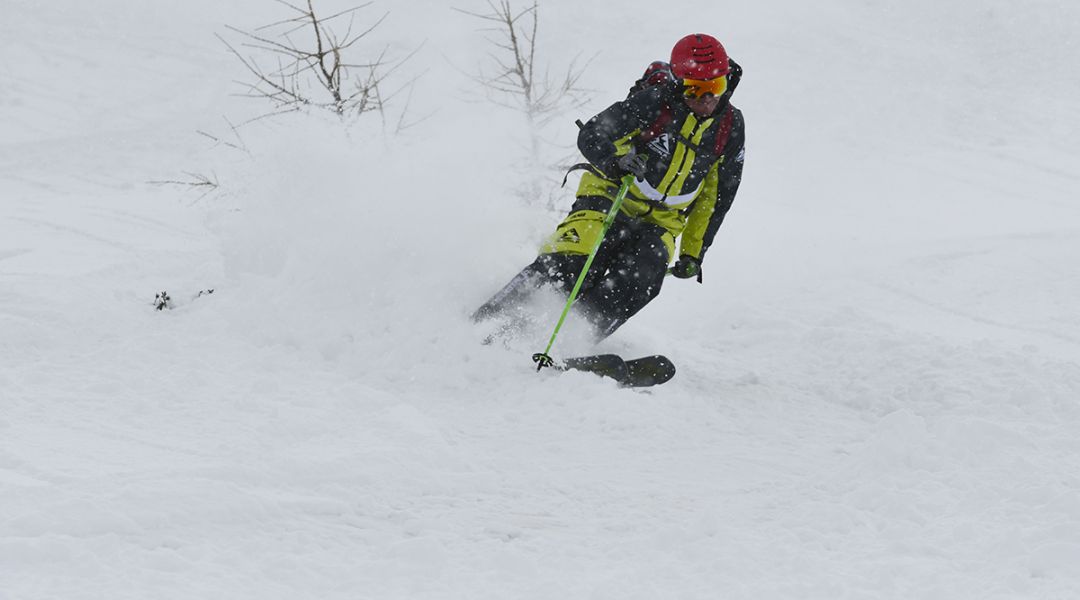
(543, 359)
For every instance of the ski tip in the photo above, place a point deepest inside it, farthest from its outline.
(649, 370)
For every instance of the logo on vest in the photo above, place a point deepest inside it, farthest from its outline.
(661, 145)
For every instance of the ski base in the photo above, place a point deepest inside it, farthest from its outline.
(639, 372)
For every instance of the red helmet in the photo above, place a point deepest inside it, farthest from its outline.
(699, 56)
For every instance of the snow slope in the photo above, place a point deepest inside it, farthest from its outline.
(878, 380)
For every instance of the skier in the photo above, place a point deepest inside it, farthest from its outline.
(682, 140)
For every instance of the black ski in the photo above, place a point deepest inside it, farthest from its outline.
(639, 372)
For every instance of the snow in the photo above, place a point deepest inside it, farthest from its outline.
(878, 381)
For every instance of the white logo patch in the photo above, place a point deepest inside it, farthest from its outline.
(661, 145)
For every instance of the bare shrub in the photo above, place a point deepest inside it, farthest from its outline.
(514, 77)
(511, 75)
(319, 72)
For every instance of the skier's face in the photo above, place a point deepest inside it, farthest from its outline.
(703, 95)
(703, 106)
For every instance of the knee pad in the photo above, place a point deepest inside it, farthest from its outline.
(576, 234)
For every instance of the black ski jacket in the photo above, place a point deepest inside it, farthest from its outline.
(693, 165)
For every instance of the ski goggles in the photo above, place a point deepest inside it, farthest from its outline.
(697, 88)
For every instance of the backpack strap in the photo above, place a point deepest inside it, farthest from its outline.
(657, 127)
(582, 167)
(724, 132)
(657, 72)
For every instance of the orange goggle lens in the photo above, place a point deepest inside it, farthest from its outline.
(696, 88)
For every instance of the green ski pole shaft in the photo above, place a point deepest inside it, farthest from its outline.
(543, 359)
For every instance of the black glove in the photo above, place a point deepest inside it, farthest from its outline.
(686, 267)
(630, 163)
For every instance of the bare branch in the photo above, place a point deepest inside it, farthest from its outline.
(197, 181)
(344, 12)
